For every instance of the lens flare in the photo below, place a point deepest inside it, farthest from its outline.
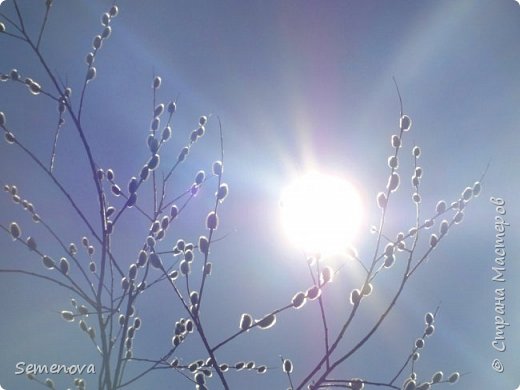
(321, 213)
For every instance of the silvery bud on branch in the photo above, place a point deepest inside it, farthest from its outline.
(105, 19)
(410, 384)
(116, 190)
(199, 177)
(416, 151)
(326, 275)
(222, 192)
(381, 200)
(313, 293)
(165, 222)
(145, 172)
(437, 377)
(217, 168)
(153, 163)
(67, 315)
(287, 366)
(31, 243)
(49, 383)
(132, 272)
(90, 58)
(185, 267)
(203, 245)
(48, 262)
(157, 82)
(35, 88)
(396, 141)
(159, 109)
(207, 268)
(443, 229)
(393, 182)
(393, 162)
(114, 11)
(477, 188)
(405, 123)
(155, 124)
(355, 297)
(453, 378)
(298, 300)
(132, 200)
(194, 297)
(389, 261)
(180, 244)
(142, 258)
(433, 240)
(107, 31)
(212, 221)
(267, 322)
(15, 231)
(15, 75)
(155, 261)
(467, 194)
(367, 289)
(458, 217)
(97, 42)
(91, 74)
(441, 207)
(182, 155)
(9, 138)
(132, 185)
(166, 134)
(64, 266)
(245, 321)
(357, 384)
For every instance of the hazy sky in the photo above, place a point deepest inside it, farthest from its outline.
(298, 85)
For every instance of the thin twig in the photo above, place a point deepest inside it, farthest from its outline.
(55, 143)
(44, 23)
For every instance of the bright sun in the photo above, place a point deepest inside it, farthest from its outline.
(321, 213)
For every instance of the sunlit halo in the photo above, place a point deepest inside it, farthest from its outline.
(321, 213)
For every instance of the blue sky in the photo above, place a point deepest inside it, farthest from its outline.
(298, 86)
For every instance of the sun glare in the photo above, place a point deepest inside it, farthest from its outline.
(321, 213)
